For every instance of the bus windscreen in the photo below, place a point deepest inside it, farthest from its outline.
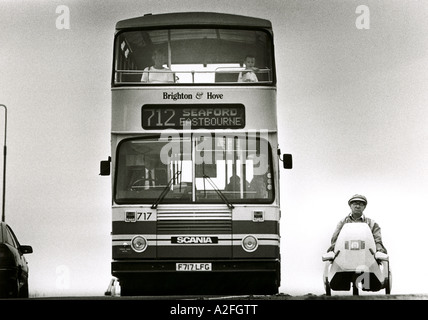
(210, 169)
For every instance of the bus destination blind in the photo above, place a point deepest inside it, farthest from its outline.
(198, 116)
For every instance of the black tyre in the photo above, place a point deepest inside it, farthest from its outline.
(388, 284)
(327, 288)
(24, 292)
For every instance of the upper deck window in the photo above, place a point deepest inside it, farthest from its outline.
(193, 56)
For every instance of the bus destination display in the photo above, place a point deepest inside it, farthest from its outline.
(198, 116)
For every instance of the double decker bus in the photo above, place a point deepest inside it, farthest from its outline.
(194, 155)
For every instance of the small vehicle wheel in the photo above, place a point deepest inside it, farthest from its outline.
(327, 287)
(355, 289)
(388, 283)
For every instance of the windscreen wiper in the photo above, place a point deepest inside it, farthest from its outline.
(165, 190)
(221, 195)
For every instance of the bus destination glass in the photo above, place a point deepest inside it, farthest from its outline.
(198, 116)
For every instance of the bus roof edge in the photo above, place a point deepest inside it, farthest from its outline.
(192, 18)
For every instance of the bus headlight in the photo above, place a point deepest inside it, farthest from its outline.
(250, 243)
(139, 243)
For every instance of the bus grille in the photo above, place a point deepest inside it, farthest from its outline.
(194, 221)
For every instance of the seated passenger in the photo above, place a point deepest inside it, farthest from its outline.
(248, 75)
(234, 185)
(158, 58)
(258, 185)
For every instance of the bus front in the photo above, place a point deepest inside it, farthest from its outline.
(194, 160)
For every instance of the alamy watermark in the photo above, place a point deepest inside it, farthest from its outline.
(364, 277)
(251, 146)
(62, 281)
(62, 21)
(363, 20)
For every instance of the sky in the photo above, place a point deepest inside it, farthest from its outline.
(352, 109)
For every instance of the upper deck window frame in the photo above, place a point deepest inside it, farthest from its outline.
(269, 56)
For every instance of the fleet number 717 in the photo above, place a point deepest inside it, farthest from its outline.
(146, 215)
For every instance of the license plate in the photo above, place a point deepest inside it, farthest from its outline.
(193, 267)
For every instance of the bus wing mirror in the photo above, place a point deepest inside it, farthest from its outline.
(287, 161)
(105, 167)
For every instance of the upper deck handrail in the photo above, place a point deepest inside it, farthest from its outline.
(227, 70)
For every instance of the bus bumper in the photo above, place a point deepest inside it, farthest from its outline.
(138, 277)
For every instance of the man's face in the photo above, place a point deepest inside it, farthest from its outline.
(357, 208)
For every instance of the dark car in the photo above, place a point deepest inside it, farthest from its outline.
(13, 265)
